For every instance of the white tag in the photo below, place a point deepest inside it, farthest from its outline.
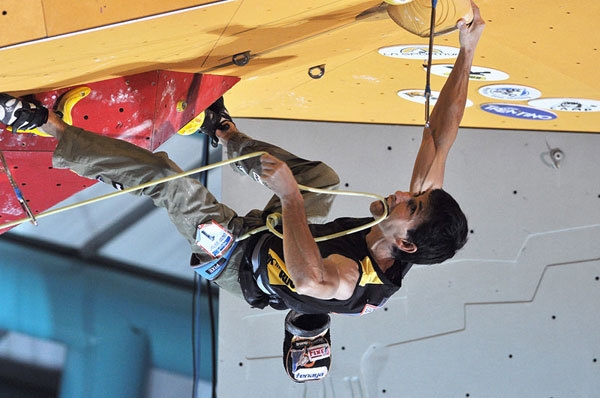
(213, 238)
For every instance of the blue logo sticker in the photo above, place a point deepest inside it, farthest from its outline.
(518, 111)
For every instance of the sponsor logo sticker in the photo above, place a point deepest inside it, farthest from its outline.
(518, 111)
(478, 73)
(415, 95)
(213, 238)
(567, 104)
(513, 92)
(311, 374)
(419, 52)
(317, 352)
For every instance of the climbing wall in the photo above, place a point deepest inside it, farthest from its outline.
(514, 314)
(144, 109)
(326, 60)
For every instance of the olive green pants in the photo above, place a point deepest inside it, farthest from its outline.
(186, 200)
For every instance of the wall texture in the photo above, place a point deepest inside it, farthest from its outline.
(513, 314)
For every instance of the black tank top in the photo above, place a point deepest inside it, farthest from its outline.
(373, 289)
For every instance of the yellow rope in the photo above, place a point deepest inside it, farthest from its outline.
(271, 220)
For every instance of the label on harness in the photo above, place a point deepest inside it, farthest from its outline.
(305, 374)
(213, 238)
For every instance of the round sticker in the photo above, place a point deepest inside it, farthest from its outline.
(418, 51)
(513, 92)
(418, 96)
(518, 111)
(567, 104)
(478, 73)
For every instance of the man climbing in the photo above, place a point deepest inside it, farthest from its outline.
(424, 225)
(352, 274)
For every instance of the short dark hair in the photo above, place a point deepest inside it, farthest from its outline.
(441, 234)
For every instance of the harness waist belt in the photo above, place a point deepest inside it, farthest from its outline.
(212, 269)
(256, 265)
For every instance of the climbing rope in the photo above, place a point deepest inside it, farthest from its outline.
(429, 61)
(271, 220)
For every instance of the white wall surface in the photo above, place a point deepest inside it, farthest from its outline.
(514, 314)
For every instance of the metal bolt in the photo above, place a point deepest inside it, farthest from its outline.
(556, 155)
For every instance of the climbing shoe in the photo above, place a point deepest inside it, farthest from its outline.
(215, 117)
(21, 114)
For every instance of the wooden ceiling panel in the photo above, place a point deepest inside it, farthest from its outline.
(70, 16)
(552, 47)
(30, 21)
(264, 27)
(168, 42)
